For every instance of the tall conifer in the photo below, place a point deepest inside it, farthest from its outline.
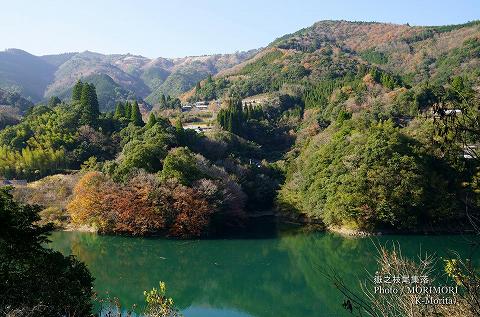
(128, 110)
(136, 116)
(77, 91)
(119, 111)
(151, 121)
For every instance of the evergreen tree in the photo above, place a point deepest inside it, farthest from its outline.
(163, 102)
(84, 101)
(376, 74)
(89, 103)
(248, 112)
(197, 88)
(151, 121)
(233, 122)
(119, 111)
(77, 91)
(94, 100)
(61, 286)
(136, 116)
(128, 110)
(176, 104)
(233, 117)
(180, 131)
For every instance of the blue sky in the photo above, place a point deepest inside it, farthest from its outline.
(181, 28)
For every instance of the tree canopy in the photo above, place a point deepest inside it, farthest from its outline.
(34, 279)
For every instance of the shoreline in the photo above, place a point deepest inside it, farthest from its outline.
(83, 228)
(299, 225)
(420, 232)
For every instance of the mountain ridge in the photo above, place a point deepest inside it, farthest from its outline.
(328, 49)
(413, 52)
(139, 76)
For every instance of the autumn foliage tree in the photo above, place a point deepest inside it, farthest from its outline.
(86, 207)
(113, 207)
(141, 206)
(193, 213)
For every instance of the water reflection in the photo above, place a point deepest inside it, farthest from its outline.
(243, 277)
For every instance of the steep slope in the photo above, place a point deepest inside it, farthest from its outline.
(24, 73)
(86, 64)
(155, 71)
(39, 78)
(415, 52)
(186, 72)
(331, 49)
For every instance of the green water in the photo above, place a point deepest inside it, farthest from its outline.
(279, 276)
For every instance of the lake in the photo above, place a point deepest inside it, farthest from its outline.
(258, 276)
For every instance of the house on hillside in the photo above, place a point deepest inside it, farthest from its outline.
(186, 107)
(198, 128)
(257, 100)
(201, 105)
(445, 112)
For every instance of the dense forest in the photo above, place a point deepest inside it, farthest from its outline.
(312, 128)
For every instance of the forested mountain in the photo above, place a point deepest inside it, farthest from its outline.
(37, 78)
(357, 98)
(24, 73)
(331, 49)
(366, 126)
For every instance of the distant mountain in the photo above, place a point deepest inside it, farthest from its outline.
(25, 73)
(57, 59)
(186, 72)
(117, 76)
(88, 66)
(327, 49)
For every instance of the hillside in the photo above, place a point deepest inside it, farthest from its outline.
(25, 73)
(12, 106)
(95, 67)
(15, 100)
(184, 73)
(409, 51)
(352, 105)
(39, 77)
(108, 91)
(331, 49)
